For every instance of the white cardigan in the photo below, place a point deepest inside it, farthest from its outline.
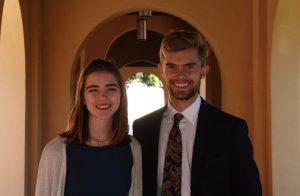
(52, 169)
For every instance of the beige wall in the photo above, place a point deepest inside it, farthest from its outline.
(64, 32)
(12, 99)
(32, 19)
(240, 33)
(285, 83)
(228, 27)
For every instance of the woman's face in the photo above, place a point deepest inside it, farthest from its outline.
(102, 95)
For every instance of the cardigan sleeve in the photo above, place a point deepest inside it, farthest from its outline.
(52, 169)
(137, 183)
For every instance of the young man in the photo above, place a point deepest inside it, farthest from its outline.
(206, 151)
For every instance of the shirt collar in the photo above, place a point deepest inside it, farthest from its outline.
(190, 113)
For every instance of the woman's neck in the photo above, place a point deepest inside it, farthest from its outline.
(100, 132)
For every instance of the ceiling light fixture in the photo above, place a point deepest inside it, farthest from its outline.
(142, 25)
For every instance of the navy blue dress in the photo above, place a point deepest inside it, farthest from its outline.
(101, 171)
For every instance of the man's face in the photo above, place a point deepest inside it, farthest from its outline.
(182, 73)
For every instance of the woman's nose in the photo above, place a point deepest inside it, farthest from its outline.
(102, 94)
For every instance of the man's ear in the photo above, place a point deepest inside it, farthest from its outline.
(204, 71)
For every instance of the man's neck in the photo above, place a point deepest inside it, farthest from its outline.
(180, 105)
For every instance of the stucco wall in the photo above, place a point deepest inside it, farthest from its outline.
(12, 101)
(285, 83)
(241, 34)
(64, 32)
(229, 28)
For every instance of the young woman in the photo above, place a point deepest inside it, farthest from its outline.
(95, 155)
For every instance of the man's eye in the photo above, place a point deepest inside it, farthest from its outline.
(171, 66)
(189, 66)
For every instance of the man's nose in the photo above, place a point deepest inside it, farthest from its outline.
(181, 70)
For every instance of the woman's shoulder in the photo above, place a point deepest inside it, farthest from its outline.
(55, 143)
(133, 140)
(135, 146)
(54, 147)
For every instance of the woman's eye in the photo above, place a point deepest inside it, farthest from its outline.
(112, 89)
(92, 90)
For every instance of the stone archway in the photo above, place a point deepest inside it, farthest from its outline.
(116, 40)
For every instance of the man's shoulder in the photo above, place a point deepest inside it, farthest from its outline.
(218, 113)
(146, 125)
(218, 119)
(157, 114)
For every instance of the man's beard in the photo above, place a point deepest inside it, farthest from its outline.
(184, 95)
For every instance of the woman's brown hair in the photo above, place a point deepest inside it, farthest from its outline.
(78, 129)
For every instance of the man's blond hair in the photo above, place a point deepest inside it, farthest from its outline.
(181, 40)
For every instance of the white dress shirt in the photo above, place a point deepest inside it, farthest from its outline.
(187, 127)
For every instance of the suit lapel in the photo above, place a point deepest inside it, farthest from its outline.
(152, 151)
(198, 150)
(155, 129)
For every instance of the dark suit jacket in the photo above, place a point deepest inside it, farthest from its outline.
(222, 163)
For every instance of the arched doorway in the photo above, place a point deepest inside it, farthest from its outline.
(145, 94)
(116, 40)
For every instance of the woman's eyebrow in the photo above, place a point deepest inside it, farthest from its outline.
(97, 86)
(111, 85)
(92, 86)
